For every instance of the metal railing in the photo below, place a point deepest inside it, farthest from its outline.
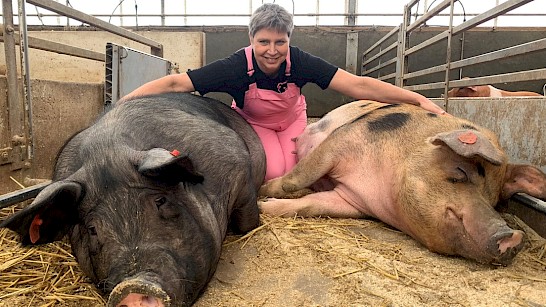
(17, 150)
(376, 53)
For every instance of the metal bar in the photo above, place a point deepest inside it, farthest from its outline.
(156, 48)
(412, 3)
(25, 72)
(427, 86)
(448, 51)
(383, 65)
(384, 38)
(526, 48)
(351, 53)
(18, 196)
(163, 13)
(387, 77)
(351, 11)
(403, 44)
(295, 15)
(528, 75)
(428, 15)
(530, 201)
(382, 52)
(42, 44)
(484, 17)
(15, 118)
(426, 71)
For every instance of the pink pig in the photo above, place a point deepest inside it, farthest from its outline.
(436, 178)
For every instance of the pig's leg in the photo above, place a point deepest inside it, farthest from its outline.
(328, 203)
(245, 215)
(308, 171)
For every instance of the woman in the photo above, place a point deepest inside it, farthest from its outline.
(265, 80)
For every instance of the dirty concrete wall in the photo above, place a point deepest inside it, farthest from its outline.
(518, 122)
(60, 109)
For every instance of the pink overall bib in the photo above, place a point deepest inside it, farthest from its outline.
(276, 117)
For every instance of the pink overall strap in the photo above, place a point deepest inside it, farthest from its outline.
(250, 67)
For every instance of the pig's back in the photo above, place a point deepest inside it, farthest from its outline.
(206, 129)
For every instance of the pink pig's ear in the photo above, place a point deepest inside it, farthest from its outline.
(526, 179)
(470, 143)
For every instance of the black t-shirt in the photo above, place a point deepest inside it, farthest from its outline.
(229, 75)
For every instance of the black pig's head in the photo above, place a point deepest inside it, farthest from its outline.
(144, 218)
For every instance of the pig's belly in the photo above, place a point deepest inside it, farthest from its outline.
(373, 196)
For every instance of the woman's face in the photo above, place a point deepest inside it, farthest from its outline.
(270, 49)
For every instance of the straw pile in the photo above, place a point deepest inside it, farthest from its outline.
(47, 275)
(303, 262)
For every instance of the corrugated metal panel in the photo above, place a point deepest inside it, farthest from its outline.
(127, 69)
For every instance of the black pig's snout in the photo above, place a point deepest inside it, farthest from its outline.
(140, 290)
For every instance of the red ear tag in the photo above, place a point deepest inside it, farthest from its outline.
(34, 231)
(175, 153)
(468, 138)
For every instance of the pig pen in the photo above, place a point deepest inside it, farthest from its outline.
(303, 262)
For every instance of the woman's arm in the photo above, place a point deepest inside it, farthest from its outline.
(373, 89)
(169, 83)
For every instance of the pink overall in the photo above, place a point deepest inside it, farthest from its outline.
(277, 118)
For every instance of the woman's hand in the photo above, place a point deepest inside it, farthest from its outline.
(431, 106)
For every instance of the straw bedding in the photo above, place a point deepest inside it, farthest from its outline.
(303, 262)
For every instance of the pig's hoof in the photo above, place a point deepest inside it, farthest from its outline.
(289, 187)
(138, 292)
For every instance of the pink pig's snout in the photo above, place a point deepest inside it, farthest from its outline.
(140, 300)
(138, 291)
(505, 243)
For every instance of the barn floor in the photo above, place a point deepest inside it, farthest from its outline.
(304, 262)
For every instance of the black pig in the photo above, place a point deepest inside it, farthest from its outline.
(146, 195)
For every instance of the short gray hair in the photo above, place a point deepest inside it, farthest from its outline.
(271, 16)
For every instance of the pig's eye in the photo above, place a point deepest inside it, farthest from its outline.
(92, 230)
(160, 201)
(458, 176)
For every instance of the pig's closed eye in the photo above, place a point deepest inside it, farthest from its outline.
(92, 230)
(459, 175)
(160, 201)
(166, 208)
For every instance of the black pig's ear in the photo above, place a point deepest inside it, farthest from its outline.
(470, 143)
(49, 217)
(170, 167)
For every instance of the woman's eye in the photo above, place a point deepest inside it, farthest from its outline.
(160, 201)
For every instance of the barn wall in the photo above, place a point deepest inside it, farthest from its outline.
(183, 48)
(190, 47)
(60, 109)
